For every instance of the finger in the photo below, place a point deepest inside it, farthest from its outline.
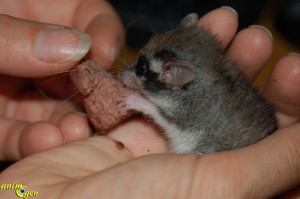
(100, 20)
(262, 170)
(95, 17)
(31, 49)
(224, 29)
(65, 164)
(163, 179)
(274, 161)
(284, 91)
(39, 136)
(104, 152)
(255, 40)
(250, 49)
(22, 133)
(19, 139)
(74, 126)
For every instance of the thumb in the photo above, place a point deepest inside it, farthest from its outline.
(262, 170)
(154, 176)
(32, 49)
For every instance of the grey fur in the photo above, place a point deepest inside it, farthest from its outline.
(217, 110)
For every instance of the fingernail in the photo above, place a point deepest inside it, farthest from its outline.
(294, 54)
(231, 9)
(116, 50)
(264, 29)
(60, 44)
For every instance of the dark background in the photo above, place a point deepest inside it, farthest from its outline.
(146, 17)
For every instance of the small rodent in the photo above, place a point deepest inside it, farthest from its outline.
(201, 100)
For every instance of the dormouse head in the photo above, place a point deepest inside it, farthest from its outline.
(173, 59)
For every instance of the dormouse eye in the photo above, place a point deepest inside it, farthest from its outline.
(141, 70)
(142, 66)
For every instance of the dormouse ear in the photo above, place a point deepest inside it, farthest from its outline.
(189, 20)
(176, 74)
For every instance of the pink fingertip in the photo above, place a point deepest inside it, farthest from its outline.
(39, 136)
(74, 127)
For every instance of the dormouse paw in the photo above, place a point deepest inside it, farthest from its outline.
(122, 106)
(127, 103)
(135, 102)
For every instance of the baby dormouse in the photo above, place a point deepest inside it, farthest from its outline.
(201, 100)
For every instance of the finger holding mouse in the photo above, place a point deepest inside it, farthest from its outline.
(37, 44)
(283, 89)
(224, 29)
(251, 49)
(243, 45)
(30, 44)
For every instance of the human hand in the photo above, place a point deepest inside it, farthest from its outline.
(38, 44)
(116, 166)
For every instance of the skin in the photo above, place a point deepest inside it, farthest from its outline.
(22, 133)
(100, 166)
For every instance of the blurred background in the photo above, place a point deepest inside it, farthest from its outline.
(146, 17)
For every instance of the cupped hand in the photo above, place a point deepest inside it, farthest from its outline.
(45, 38)
(125, 164)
